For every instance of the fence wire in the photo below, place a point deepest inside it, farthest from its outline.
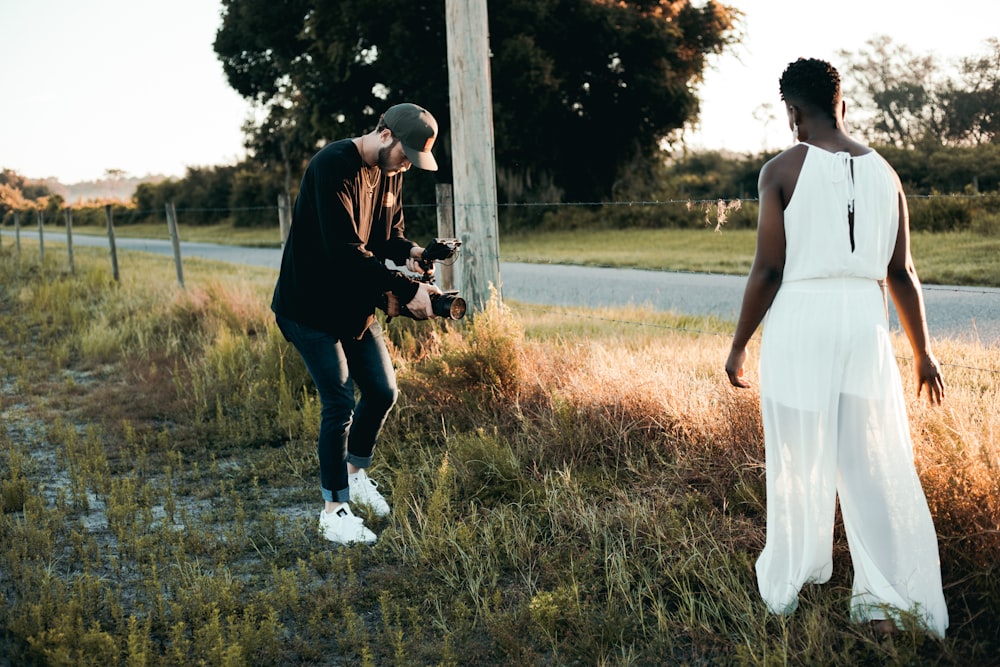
(992, 197)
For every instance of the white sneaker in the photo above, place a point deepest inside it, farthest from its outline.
(364, 491)
(343, 527)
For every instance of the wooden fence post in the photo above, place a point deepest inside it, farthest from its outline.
(111, 242)
(41, 236)
(69, 239)
(17, 231)
(175, 241)
(446, 229)
(284, 216)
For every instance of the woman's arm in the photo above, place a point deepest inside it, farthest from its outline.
(904, 285)
(768, 266)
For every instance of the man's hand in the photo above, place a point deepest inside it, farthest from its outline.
(420, 306)
(413, 264)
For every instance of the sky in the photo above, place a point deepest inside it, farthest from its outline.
(93, 85)
(778, 32)
(87, 86)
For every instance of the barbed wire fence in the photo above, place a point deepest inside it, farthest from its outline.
(281, 216)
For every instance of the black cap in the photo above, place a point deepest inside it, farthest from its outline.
(417, 130)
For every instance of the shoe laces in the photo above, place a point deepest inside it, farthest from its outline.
(363, 477)
(345, 514)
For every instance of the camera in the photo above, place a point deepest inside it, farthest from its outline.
(448, 304)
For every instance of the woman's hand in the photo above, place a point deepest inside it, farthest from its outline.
(929, 373)
(734, 367)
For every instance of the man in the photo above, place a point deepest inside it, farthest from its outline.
(348, 220)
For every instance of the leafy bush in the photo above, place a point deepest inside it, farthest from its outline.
(939, 214)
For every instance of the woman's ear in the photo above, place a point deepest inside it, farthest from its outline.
(794, 116)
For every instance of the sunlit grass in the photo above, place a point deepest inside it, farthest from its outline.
(569, 486)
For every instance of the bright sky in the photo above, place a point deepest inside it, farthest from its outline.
(92, 85)
(780, 31)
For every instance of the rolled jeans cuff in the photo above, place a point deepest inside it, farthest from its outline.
(359, 461)
(342, 496)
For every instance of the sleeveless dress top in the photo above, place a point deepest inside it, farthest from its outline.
(818, 232)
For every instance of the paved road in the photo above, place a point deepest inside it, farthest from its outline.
(953, 312)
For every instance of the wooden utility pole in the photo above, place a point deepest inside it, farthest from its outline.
(472, 151)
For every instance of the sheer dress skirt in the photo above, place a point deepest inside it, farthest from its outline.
(835, 424)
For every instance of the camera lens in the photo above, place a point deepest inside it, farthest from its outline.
(448, 305)
(457, 309)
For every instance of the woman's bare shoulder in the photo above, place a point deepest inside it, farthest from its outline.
(786, 163)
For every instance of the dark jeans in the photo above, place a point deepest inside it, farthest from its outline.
(336, 366)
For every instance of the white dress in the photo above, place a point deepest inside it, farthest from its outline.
(834, 416)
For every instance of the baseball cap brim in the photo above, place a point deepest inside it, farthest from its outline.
(420, 160)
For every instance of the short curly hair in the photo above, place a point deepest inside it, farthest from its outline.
(812, 82)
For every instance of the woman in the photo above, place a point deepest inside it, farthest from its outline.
(833, 228)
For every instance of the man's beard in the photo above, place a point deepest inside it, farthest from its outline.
(382, 162)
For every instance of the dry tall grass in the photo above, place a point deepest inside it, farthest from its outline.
(567, 488)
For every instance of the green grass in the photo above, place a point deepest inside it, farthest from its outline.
(957, 258)
(568, 487)
(256, 237)
(953, 258)
(702, 250)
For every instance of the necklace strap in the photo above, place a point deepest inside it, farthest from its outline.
(370, 179)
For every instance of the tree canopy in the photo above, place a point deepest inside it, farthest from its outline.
(907, 99)
(580, 87)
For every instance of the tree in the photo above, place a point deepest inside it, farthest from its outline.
(114, 176)
(971, 104)
(243, 193)
(11, 194)
(18, 193)
(907, 100)
(12, 179)
(894, 93)
(53, 207)
(580, 87)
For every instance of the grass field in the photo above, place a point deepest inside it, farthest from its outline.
(963, 258)
(945, 259)
(567, 489)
